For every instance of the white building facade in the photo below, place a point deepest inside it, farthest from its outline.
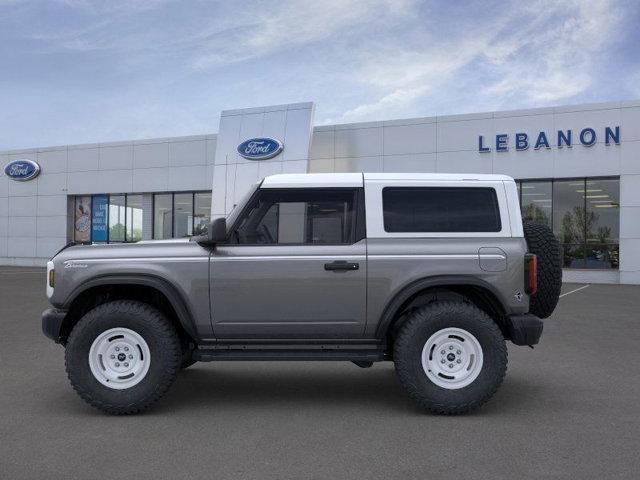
(578, 169)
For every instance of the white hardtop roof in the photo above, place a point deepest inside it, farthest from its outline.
(292, 180)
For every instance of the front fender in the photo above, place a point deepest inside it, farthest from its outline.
(180, 306)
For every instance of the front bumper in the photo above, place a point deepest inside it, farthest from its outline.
(524, 329)
(52, 320)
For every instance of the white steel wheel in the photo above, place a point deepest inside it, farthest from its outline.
(452, 358)
(119, 358)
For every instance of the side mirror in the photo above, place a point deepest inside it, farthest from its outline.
(216, 233)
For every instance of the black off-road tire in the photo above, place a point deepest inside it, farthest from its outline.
(412, 337)
(545, 246)
(153, 327)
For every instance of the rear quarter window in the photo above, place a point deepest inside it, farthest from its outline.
(440, 209)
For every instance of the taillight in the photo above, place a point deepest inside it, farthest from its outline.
(530, 273)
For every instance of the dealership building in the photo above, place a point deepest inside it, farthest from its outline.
(577, 169)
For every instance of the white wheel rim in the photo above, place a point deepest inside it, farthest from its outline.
(461, 362)
(119, 358)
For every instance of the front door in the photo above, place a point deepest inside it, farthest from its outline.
(294, 267)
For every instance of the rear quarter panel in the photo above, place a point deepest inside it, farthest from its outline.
(396, 263)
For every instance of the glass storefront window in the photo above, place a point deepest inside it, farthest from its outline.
(117, 218)
(82, 219)
(182, 215)
(603, 211)
(99, 216)
(584, 215)
(603, 223)
(568, 211)
(134, 218)
(536, 202)
(120, 217)
(201, 212)
(162, 215)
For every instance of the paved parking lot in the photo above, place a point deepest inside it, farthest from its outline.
(568, 409)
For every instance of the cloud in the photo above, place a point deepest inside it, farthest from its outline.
(288, 24)
(541, 53)
(552, 61)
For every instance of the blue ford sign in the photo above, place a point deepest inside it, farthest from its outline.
(22, 170)
(565, 138)
(260, 148)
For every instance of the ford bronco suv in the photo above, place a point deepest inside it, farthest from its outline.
(434, 272)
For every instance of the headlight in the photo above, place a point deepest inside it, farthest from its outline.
(51, 278)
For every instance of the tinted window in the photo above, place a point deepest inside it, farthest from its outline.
(312, 216)
(440, 209)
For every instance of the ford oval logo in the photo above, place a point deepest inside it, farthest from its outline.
(22, 170)
(260, 148)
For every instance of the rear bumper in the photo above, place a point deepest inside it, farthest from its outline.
(524, 329)
(52, 320)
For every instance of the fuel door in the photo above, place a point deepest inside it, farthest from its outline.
(492, 259)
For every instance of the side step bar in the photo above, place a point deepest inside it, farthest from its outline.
(211, 355)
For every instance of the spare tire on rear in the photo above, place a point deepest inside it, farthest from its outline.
(545, 246)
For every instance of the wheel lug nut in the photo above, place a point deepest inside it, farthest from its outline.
(113, 356)
(442, 352)
(126, 349)
(451, 365)
(130, 356)
(442, 361)
(117, 349)
(126, 364)
(450, 347)
(458, 361)
(117, 364)
(458, 352)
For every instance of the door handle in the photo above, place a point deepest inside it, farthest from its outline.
(341, 265)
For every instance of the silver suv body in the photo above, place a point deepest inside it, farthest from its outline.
(317, 266)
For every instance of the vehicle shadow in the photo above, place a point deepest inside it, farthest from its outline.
(253, 384)
(312, 386)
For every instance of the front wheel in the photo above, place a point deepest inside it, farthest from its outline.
(122, 356)
(451, 357)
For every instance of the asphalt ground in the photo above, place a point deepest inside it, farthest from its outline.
(570, 408)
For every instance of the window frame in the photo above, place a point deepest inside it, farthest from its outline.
(375, 215)
(358, 228)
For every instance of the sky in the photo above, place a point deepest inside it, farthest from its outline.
(80, 71)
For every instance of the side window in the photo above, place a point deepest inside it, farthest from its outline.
(292, 216)
(440, 209)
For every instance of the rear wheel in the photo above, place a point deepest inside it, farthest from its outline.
(122, 356)
(450, 357)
